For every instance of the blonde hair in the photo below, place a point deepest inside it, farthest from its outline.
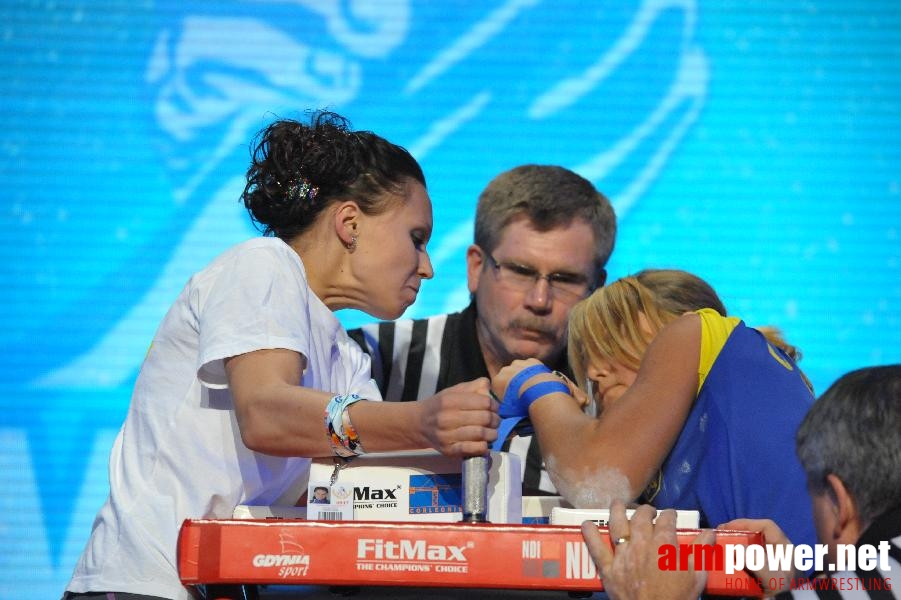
(610, 323)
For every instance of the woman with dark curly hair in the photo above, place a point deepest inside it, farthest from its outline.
(251, 374)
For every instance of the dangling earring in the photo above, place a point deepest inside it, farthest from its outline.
(353, 243)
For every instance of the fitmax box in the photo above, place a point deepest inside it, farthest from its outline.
(445, 555)
(535, 510)
(423, 486)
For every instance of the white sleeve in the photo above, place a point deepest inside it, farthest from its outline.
(255, 301)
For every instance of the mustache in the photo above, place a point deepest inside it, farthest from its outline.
(535, 325)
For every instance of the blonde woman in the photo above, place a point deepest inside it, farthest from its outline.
(697, 410)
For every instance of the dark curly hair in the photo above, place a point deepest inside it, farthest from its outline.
(298, 169)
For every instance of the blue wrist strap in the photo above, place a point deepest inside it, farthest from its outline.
(521, 426)
(542, 389)
(512, 404)
(521, 423)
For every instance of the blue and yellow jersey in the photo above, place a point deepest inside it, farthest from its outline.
(735, 456)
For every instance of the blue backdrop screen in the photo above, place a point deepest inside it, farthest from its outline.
(753, 143)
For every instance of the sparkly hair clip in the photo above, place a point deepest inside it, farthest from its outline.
(300, 190)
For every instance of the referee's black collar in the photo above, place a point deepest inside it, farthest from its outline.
(884, 527)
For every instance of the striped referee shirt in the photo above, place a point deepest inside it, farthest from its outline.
(415, 358)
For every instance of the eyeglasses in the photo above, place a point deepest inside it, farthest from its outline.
(523, 278)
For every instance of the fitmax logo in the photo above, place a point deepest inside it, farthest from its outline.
(368, 494)
(380, 549)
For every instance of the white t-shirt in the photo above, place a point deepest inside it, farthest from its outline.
(179, 454)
